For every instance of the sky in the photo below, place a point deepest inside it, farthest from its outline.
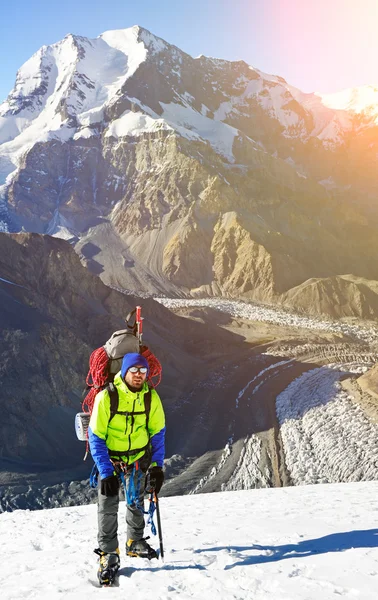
(316, 45)
(292, 543)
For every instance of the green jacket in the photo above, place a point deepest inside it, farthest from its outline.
(126, 433)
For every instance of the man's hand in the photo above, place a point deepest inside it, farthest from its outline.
(110, 486)
(154, 479)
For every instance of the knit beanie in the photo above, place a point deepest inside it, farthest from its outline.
(132, 359)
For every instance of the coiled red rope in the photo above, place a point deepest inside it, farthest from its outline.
(97, 378)
(98, 375)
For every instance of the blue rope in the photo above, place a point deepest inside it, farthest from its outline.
(151, 511)
(132, 493)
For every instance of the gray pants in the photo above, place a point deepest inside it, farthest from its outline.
(108, 517)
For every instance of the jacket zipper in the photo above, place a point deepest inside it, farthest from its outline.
(132, 421)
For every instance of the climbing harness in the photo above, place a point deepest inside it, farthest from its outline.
(132, 490)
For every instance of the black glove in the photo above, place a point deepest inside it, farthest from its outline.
(110, 486)
(154, 479)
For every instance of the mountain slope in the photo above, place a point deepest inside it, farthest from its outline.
(338, 297)
(54, 313)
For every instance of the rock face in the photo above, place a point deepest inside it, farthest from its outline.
(54, 313)
(190, 176)
(369, 383)
(336, 296)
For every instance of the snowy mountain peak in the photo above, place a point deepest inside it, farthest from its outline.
(127, 40)
(76, 59)
(60, 84)
(79, 87)
(30, 85)
(152, 42)
(76, 81)
(43, 75)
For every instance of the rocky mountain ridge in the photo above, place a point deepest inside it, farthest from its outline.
(188, 176)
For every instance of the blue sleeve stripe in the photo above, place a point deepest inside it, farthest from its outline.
(158, 447)
(100, 454)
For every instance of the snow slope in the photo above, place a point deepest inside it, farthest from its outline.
(303, 543)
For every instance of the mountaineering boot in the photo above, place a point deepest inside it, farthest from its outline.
(108, 567)
(140, 548)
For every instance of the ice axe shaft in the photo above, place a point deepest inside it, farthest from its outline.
(156, 499)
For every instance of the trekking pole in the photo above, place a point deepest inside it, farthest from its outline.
(139, 324)
(159, 526)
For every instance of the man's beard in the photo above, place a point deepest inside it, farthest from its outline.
(134, 389)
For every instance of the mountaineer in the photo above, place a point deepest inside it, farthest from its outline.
(127, 444)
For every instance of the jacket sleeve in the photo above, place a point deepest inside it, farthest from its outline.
(97, 433)
(156, 427)
(158, 448)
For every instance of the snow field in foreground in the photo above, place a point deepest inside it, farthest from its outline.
(305, 543)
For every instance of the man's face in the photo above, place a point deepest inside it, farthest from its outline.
(135, 380)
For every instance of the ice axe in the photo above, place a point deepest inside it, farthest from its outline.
(156, 500)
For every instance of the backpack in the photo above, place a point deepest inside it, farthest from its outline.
(106, 361)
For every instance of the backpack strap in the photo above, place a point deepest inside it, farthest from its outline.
(113, 395)
(119, 456)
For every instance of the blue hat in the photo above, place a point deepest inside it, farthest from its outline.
(132, 359)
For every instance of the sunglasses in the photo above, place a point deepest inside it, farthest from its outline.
(142, 370)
